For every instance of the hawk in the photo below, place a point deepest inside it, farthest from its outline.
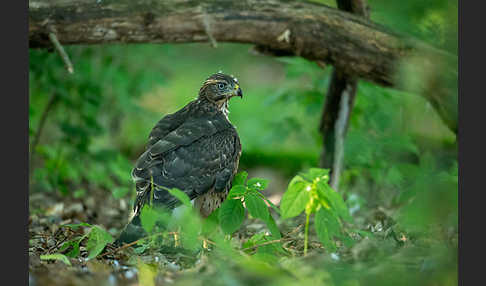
(195, 150)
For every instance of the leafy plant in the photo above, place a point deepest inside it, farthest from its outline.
(232, 214)
(182, 222)
(96, 240)
(186, 223)
(310, 193)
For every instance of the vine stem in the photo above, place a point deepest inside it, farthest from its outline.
(306, 234)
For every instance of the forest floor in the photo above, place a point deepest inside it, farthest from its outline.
(50, 212)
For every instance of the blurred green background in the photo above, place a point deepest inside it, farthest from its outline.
(86, 129)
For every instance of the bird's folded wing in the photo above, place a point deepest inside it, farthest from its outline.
(169, 123)
(187, 133)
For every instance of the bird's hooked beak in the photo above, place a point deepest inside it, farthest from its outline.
(237, 91)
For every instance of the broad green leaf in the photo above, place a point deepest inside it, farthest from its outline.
(190, 225)
(181, 196)
(324, 229)
(269, 252)
(272, 205)
(296, 179)
(75, 251)
(231, 215)
(148, 218)
(257, 184)
(56, 256)
(237, 191)
(314, 173)
(272, 226)
(256, 206)
(75, 245)
(210, 224)
(240, 178)
(295, 199)
(257, 238)
(335, 199)
(331, 221)
(98, 238)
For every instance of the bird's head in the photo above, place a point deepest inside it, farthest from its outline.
(219, 88)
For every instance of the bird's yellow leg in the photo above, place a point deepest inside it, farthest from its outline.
(151, 189)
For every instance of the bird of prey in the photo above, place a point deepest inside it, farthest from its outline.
(195, 150)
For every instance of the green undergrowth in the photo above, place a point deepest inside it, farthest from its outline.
(337, 250)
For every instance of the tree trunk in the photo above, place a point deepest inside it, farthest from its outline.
(339, 105)
(314, 31)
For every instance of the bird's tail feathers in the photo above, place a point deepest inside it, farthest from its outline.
(133, 231)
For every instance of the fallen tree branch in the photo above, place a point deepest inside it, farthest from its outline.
(316, 32)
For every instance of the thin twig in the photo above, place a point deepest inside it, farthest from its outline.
(267, 243)
(294, 230)
(277, 240)
(129, 244)
(62, 52)
(40, 128)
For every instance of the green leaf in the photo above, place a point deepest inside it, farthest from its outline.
(75, 251)
(272, 205)
(314, 173)
(210, 224)
(75, 245)
(231, 215)
(325, 225)
(148, 217)
(335, 199)
(190, 226)
(181, 196)
(240, 178)
(237, 191)
(56, 256)
(295, 198)
(257, 184)
(257, 238)
(272, 226)
(256, 206)
(98, 238)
